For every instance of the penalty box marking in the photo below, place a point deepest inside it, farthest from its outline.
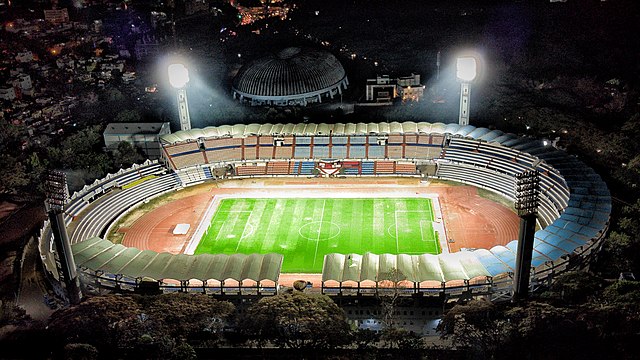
(247, 224)
(422, 221)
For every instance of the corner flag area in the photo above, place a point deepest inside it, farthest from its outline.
(306, 229)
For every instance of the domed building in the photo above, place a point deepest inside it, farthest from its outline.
(293, 76)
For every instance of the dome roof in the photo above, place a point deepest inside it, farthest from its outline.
(292, 71)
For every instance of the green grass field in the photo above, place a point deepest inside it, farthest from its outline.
(304, 230)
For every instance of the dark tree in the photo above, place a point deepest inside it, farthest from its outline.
(126, 155)
(102, 321)
(188, 316)
(297, 320)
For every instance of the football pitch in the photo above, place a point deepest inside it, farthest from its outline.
(304, 230)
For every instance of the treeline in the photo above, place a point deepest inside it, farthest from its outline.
(580, 316)
(81, 154)
(174, 326)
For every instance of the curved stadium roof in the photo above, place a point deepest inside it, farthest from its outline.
(241, 131)
(290, 73)
(96, 253)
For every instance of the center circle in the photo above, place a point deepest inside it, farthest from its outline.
(319, 230)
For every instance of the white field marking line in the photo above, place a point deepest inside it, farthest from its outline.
(440, 226)
(201, 230)
(252, 229)
(317, 222)
(435, 241)
(244, 234)
(244, 230)
(235, 220)
(395, 213)
(323, 193)
(324, 202)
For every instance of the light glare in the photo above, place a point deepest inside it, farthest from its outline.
(466, 68)
(178, 75)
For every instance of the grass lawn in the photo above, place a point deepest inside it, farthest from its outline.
(304, 230)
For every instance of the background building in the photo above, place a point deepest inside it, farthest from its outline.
(384, 89)
(56, 16)
(293, 76)
(141, 135)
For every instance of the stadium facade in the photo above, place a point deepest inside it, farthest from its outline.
(293, 76)
(575, 205)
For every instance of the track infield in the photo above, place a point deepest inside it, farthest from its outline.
(306, 229)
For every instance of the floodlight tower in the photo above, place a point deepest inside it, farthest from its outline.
(527, 190)
(57, 195)
(178, 78)
(466, 72)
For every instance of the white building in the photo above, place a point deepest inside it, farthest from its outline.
(145, 136)
(384, 89)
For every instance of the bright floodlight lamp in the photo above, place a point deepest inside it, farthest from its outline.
(178, 75)
(178, 78)
(466, 69)
(466, 72)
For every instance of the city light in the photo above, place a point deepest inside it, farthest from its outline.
(178, 75)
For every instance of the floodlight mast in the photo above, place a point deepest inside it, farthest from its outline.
(466, 72)
(178, 78)
(55, 184)
(527, 191)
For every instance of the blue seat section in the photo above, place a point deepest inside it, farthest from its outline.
(296, 168)
(320, 152)
(358, 140)
(367, 167)
(339, 140)
(357, 152)
(352, 171)
(376, 152)
(302, 152)
(321, 140)
(339, 152)
(306, 167)
(207, 173)
(303, 140)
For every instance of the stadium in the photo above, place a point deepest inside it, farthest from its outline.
(350, 207)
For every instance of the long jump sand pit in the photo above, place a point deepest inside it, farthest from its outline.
(469, 220)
